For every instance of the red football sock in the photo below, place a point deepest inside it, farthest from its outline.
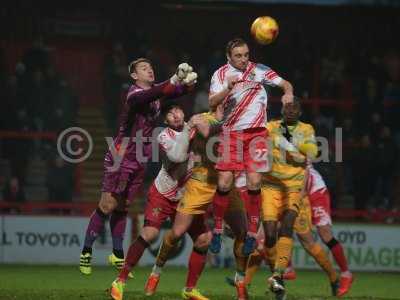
(197, 262)
(220, 205)
(338, 254)
(135, 252)
(252, 204)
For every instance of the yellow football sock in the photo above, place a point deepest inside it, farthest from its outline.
(168, 244)
(284, 248)
(255, 260)
(321, 257)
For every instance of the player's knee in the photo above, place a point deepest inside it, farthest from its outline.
(325, 233)
(107, 204)
(254, 181)
(149, 234)
(177, 232)
(306, 239)
(287, 223)
(253, 186)
(203, 240)
(225, 180)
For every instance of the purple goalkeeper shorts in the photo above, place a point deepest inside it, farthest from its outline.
(123, 183)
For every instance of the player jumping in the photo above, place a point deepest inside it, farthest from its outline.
(126, 159)
(165, 193)
(239, 86)
(192, 209)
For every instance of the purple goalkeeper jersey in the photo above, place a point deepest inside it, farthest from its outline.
(137, 120)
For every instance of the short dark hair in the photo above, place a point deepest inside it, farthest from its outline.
(237, 42)
(168, 106)
(132, 66)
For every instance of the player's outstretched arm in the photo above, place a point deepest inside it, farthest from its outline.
(287, 88)
(152, 94)
(182, 81)
(270, 77)
(176, 149)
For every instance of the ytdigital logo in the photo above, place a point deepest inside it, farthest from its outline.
(75, 145)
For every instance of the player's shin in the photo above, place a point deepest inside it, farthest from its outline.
(338, 254)
(94, 228)
(220, 205)
(168, 244)
(240, 259)
(284, 245)
(284, 248)
(252, 204)
(117, 226)
(196, 265)
(321, 257)
(135, 252)
(254, 262)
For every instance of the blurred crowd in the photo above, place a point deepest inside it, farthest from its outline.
(36, 99)
(347, 72)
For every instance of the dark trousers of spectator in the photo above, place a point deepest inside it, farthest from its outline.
(382, 192)
(363, 189)
(60, 195)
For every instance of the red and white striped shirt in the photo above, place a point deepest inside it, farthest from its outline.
(245, 106)
(314, 181)
(176, 166)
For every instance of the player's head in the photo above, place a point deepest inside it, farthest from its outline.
(141, 71)
(292, 111)
(174, 116)
(237, 53)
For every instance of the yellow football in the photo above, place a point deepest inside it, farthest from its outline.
(264, 30)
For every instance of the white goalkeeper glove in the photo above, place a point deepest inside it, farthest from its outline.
(190, 79)
(181, 72)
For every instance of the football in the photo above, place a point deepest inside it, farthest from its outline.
(264, 30)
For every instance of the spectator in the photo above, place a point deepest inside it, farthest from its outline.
(37, 58)
(386, 160)
(332, 73)
(13, 191)
(363, 168)
(60, 180)
(35, 95)
(115, 76)
(65, 108)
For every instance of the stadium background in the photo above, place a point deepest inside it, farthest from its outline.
(65, 64)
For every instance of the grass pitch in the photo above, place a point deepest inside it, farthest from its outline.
(25, 282)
